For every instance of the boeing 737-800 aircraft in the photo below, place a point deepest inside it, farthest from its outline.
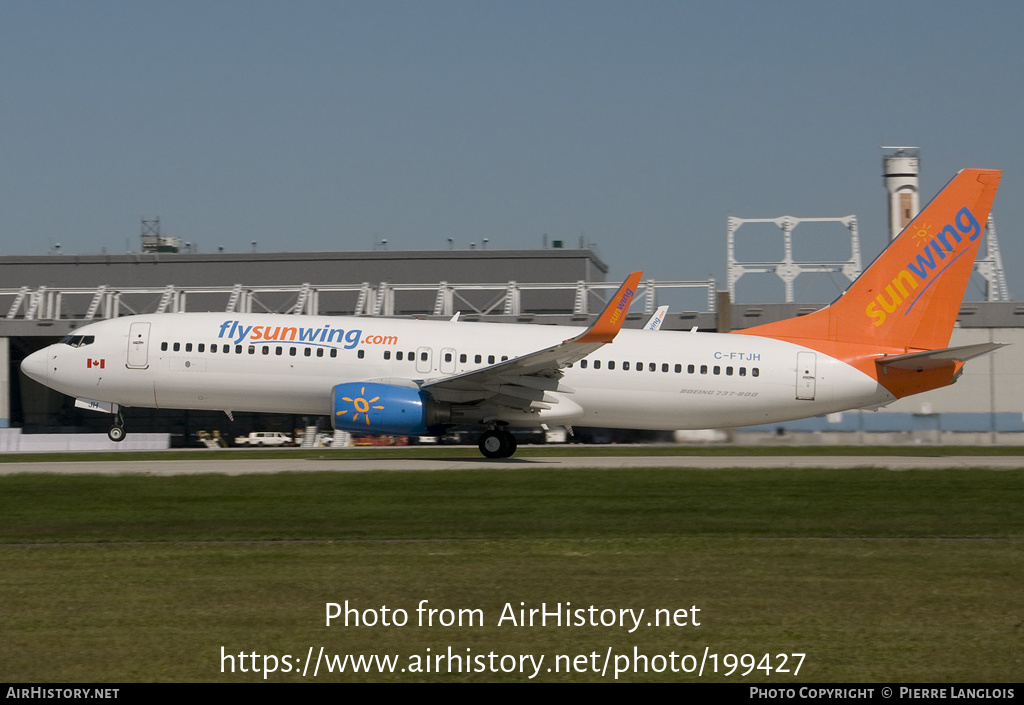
(885, 338)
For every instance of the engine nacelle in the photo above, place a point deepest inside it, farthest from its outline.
(375, 408)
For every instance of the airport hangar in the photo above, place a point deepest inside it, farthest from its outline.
(49, 296)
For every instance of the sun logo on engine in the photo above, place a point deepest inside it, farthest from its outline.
(360, 406)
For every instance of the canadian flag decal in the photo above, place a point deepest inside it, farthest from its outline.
(101, 363)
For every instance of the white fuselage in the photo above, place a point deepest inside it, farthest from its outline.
(289, 364)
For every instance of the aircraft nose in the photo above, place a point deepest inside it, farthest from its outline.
(36, 365)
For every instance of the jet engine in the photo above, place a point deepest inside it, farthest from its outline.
(375, 408)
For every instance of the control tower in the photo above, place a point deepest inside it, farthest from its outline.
(900, 168)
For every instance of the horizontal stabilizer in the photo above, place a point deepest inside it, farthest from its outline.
(930, 359)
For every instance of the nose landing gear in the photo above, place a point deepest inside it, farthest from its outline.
(117, 432)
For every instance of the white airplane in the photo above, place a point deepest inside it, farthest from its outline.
(886, 337)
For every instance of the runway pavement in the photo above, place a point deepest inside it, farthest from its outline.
(434, 462)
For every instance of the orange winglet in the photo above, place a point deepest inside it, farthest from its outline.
(608, 324)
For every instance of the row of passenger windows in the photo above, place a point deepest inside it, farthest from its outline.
(677, 368)
(293, 351)
(224, 348)
(448, 357)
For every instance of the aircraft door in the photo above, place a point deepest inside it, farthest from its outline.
(423, 360)
(806, 375)
(138, 346)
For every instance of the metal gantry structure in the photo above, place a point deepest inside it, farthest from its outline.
(578, 299)
(990, 267)
(788, 268)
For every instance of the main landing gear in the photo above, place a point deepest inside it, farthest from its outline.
(497, 443)
(117, 432)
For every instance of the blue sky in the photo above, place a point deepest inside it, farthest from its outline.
(639, 126)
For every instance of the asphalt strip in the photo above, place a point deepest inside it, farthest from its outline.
(258, 466)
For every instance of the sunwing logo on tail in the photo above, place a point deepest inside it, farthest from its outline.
(926, 267)
(623, 306)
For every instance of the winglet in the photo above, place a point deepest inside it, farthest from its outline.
(655, 321)
(607, 325)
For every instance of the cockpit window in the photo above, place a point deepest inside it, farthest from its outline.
(77, 341)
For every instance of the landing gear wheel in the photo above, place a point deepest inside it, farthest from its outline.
(116, 434)
(497, 444)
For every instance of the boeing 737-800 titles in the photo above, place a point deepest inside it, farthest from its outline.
(885, 338)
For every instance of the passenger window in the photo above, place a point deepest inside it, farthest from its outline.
(754, 372)
(743, 372)
(423, 356)
(664, 367)
(307, 352)
(703, 369)
(728, 370)
(387, 354)
(625, 365)
(334, 352)
(447, 357)
(398, 355)
(652, 367)
(583, 364)
(278, 350)
(490, 359)
(361, 354)
(238, 350)
(478, 359)
(293, 351)
(717, 370)
(252, 349)
(462, 357)
(679, 368)
(689, 369)
(163, 346)
(201, 347)
(188, 347)
(611, 364)
(597, 364)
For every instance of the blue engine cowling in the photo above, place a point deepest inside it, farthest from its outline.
(375, 408)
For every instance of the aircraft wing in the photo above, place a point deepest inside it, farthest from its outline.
(527, 382)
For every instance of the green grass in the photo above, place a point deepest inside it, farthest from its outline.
(877, 576)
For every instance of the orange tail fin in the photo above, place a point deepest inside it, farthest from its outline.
(910, 296)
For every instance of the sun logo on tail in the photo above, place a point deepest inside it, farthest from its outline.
(360, 406)
(921, 236)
